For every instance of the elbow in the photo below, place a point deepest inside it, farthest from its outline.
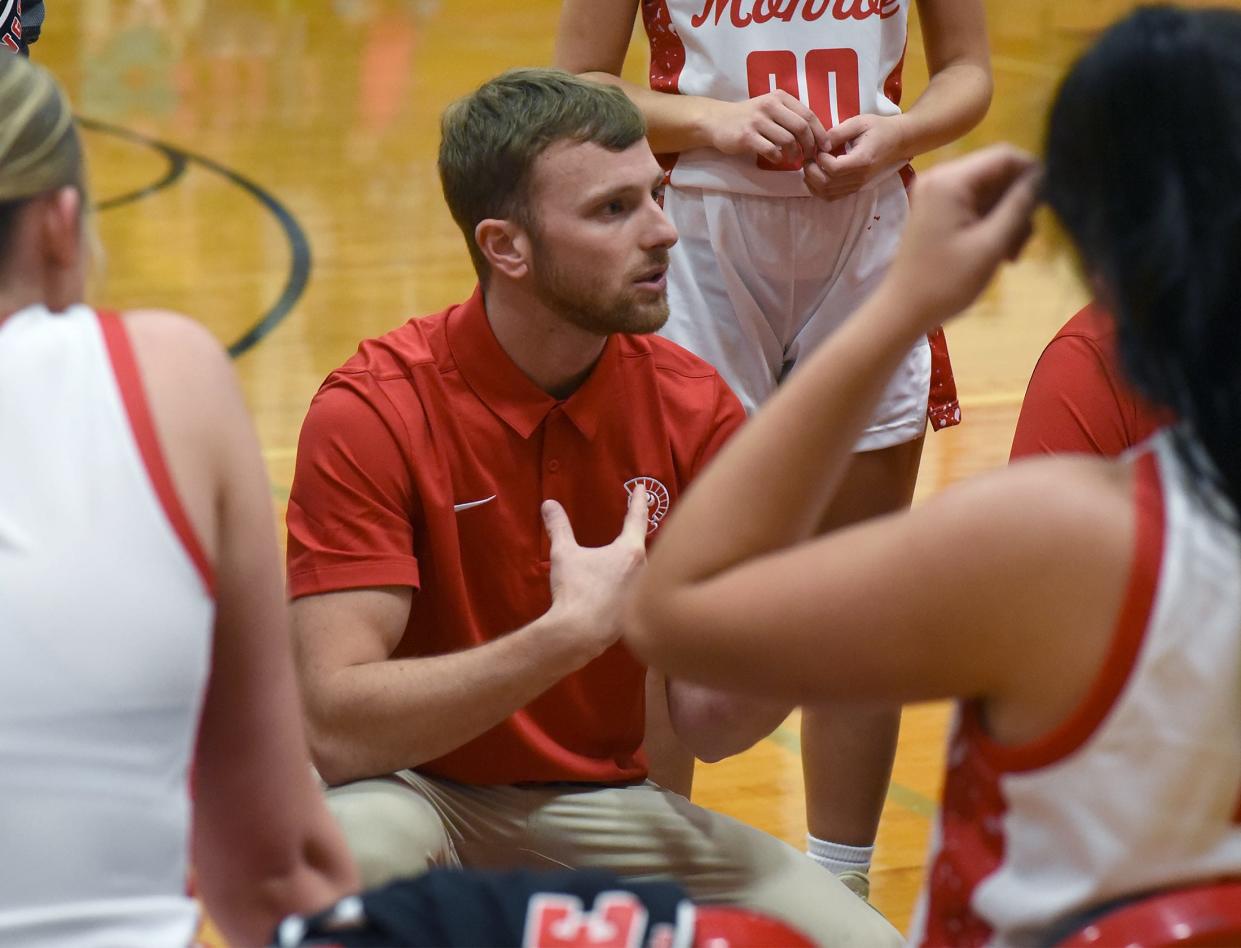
(715, 725)
(330, 754)
(250, 906)
(984, 91)
(250, 875)
(985, 94)
(331, 769)
(716, 739)
(712, 752)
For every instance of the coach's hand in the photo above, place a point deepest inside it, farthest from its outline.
(858, 150)
(966, 216)
(776, 126)
(588, 583)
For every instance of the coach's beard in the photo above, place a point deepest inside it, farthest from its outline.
(587, 304)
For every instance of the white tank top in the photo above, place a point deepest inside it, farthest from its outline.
(106, 613)
(840, 57)
(1140, 788)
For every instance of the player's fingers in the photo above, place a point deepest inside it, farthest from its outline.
(989, 172)
(1019, 241)
(787, 150)
(634, 528)
(760, 147)
(804, 112)
(816, 180)
(838, 165)
(556, 522)
(821, 137)
(797, 124)
(846, 180)
(1007, 224)
(776, 133)
(840, 135)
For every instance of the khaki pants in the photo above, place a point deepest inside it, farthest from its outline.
(403, 824)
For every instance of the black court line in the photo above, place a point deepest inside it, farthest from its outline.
(299, 246)
(176, 163)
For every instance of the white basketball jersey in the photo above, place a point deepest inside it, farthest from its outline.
(1140, 788)
(840, 57)
(105, 628)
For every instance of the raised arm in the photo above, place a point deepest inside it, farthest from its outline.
(264, 844)
(740, 595)
(370, 714)
(958, 58)
(593, 39)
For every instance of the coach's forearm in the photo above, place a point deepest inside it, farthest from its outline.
(379, 717)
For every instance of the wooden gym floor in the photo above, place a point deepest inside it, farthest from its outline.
(268, 166)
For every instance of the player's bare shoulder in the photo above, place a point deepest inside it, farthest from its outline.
(188, 380)
(173, 338)
(1062, 505)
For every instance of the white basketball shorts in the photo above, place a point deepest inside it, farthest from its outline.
(756, 283)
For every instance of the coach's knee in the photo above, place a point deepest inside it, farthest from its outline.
(391, 830)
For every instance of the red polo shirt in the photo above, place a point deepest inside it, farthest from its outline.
(1078, 402)
(423, 462)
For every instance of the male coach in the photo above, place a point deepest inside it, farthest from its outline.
(468, 699)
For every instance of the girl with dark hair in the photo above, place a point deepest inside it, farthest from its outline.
(1092, 628)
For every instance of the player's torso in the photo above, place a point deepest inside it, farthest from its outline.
(108, 637)
(840, 57)
(1152, 798)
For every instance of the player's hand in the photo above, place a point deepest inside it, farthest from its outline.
(858, 150)
(776, 126)
(966, 216)
(588, 583)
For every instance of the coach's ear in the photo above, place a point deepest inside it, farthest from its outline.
(505, 245)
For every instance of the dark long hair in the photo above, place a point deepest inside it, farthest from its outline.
(1144, 171)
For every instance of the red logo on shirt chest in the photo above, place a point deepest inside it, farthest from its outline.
(742, 13)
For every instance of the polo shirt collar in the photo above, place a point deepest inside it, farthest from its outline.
(509, 393)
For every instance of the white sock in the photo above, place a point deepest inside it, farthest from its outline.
(837, 857)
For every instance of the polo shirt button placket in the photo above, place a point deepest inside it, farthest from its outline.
(551, 467)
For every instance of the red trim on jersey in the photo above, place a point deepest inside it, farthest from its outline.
(667, 57)
(972, 841)
(893, 85)
(125, 368)
(667, 50)
(971, 845)
(943, 407)
(1122, 654)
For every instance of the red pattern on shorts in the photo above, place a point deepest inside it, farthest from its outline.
(942, 408)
